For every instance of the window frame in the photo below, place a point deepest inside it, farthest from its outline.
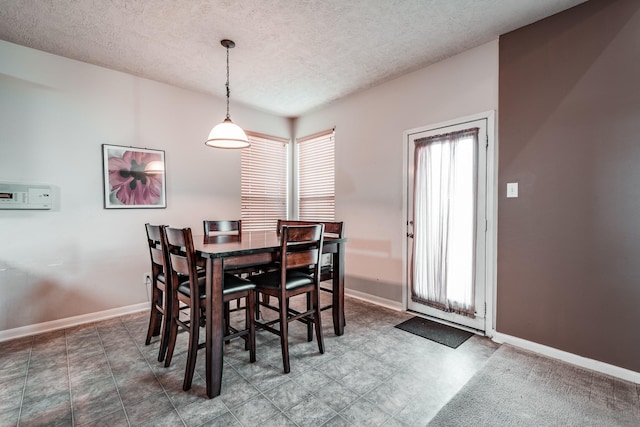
(316, 184)
(259, 168)
(260, 161)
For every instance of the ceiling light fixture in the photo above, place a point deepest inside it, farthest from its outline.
(227, 134)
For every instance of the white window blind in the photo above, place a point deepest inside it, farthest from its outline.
(264, 182)
(316, 177)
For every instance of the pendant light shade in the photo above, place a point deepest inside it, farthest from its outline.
(227, 134)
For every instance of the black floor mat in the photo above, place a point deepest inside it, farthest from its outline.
(434, 331)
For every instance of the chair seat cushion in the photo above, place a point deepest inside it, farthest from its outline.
(271, 279)
(161, 277)
(231, 284)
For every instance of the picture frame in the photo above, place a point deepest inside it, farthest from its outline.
(133, 178)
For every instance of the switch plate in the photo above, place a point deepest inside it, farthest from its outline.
(512, 189)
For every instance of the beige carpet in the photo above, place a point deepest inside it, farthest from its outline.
(519, 388)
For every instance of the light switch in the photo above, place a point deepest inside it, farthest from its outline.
(512, 189)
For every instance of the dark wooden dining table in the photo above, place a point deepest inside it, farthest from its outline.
(252, 248)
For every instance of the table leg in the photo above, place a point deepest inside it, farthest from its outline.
(338, 290)
(214, 326)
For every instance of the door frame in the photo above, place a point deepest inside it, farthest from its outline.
(492, 213)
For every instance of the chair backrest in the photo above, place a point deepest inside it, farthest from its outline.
(182, 260)
(222, 227)
(157, 248)
(301, 246)
(331, 228)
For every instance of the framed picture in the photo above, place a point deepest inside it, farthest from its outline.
(133, 177)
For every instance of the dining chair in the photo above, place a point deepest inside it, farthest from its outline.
(160, 295)
(188, 289)
(333, 229)
(300, 247)
(222, 227)
(228, 228)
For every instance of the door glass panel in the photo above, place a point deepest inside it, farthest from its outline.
(447, 248)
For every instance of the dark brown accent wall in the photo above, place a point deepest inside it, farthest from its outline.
(569, 134)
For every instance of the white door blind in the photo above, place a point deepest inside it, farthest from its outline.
(264, 182)
(316, 177)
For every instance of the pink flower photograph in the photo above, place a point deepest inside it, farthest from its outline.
(133, 177)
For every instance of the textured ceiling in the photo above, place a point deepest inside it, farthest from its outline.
(291, 56)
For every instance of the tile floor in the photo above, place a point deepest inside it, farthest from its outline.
(102, 374)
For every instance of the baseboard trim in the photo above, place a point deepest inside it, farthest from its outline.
(68, 322)
(595, 365)
(574, 359)
(393, 305)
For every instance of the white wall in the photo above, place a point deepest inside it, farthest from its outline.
(80, 258)
(54, 115)
(369, 150)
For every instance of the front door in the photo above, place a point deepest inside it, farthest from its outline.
(447, 187)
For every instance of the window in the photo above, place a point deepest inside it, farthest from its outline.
(316, 177)
(266, 169)
(264, 182)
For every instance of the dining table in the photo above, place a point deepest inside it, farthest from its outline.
(250, 249)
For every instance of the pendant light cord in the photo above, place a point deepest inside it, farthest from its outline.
(227, 134)
(227, 85)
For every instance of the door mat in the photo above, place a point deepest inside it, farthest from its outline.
(434, 331)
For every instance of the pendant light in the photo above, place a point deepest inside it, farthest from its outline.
(227, 134)
(154, 166)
